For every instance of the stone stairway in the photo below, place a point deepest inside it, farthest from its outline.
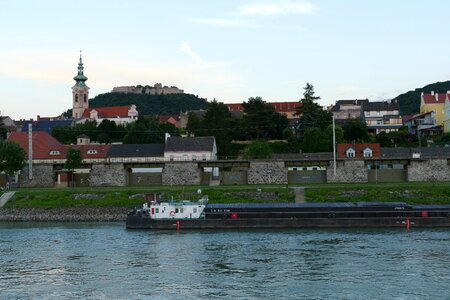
(5, 197)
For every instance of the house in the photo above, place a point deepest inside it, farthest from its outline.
(287, 108)
(382, 116)
(8, 124)
(447, 113)
(136, 153)
(46, 124)
(434, 102)
(190, 149)
(345, 151)
(348, 109)
(174, 120)
(47, 149)
(118, 114)
(421, 123)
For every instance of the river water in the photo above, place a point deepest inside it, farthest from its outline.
(106, 261)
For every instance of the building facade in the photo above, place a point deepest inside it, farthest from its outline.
(80, 93)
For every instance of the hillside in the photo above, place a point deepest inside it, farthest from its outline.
(170, 104)
(410, 101)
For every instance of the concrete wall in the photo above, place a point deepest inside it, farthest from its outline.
(43, 176)
(181, 173)
(350, 170)
(429, 170)
(267, 172)
(108, 175)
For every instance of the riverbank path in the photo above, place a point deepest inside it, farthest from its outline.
(5, 197)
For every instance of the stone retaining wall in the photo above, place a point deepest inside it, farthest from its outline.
(348, 171)
(429, 170)
(43, 176)
(181, 173)
(267, 172)
(69, 214)
(108, 175)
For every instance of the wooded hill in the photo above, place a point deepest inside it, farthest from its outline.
(170, 104)
(410, 101)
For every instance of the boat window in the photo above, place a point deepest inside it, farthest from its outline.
(157, 210)
(181, 210)
(176, 210)
(195, 210)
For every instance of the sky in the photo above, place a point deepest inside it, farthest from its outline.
(229, 50)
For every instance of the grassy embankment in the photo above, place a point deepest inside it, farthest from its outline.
(434, 192)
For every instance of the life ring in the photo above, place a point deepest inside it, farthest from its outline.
(172, 213)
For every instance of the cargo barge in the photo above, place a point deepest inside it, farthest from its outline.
(203, 215)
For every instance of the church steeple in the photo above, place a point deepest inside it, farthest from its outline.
(80, 92)
(80, 78)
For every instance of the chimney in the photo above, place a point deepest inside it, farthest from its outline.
(436, 96)
(167, 135)
(432, 93)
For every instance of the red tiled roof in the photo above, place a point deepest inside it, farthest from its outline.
(108, 112)
(44, 143)
(165, 118)
(359, 149)
(434, 99)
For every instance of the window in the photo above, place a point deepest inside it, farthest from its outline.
(171, 158)
(350, 152)
(92, 151)
(181, 210)
(203, 156)
(367, 152)
(195, 210)
(157, 210)
(54, 152)
(194, 157)
(176, 210)
(85, 98)
(76, 97)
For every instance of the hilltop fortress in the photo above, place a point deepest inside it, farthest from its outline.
(157, 89)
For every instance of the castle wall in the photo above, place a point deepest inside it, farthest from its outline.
(181, 173)
(267, 172)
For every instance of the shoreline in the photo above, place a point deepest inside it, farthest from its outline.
(67, 214)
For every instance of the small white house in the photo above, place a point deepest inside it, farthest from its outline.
(190, 149)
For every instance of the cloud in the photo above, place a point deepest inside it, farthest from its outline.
(188, 50)
(278, 8)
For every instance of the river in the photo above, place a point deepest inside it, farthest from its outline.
(106, 261)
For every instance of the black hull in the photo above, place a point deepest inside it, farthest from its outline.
(307, 215)
(142, 222)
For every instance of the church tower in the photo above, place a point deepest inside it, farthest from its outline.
(80, 93)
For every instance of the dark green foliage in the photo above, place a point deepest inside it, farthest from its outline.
(443, 140)
(261, 121)
(257, 150)
(410, 101)
(2, 129)
(170, 104)
(401, 138)
(12, 157)
(147, 130)
(73, 159)
(318, 140)
(355, 130)
(291, 146)
(312, 114)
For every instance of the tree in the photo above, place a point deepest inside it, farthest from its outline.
(355, 130)
(257, 149)
(261, 121)
(12, 157)
(2, 129)
(311, 114)
(74, 158)
(313, 140)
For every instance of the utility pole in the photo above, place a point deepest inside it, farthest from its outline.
(30, 151)
(334, 148)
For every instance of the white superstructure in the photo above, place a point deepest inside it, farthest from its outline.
(175, 210)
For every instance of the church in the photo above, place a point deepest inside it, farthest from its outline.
(80, 104)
